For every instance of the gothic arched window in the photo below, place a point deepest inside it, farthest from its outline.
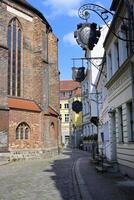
(23, 131)
(14, 40)
(52, 129)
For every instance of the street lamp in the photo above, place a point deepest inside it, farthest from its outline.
(87, 34)
(106, 15)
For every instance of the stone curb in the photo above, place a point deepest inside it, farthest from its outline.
(82, 185)
(4, 163)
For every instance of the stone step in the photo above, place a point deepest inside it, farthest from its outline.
(94, 161)
(107, 165)
(100, 169)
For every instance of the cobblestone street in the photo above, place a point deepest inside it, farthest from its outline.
(69, 176)
(40, 179)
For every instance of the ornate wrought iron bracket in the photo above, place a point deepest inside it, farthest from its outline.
(105, 15)
(97, 62)
(84, 13)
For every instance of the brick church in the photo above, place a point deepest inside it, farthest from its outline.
(29, 81)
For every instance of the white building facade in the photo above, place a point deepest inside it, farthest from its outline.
(103, 126)
(120, 67)
(86, 107)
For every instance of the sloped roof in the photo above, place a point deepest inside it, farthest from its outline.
(23, 104)
(77, 92)
(52, 111)
(27, 5)
(69, 85)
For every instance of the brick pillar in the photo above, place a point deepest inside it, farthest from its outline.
(3, 77)
(46, 131)
(45, 89)
(4, 112)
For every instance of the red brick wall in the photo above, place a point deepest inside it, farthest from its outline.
(51, 134)
(33, 119)
(53, 130)
(34, 84)
(53, 72)
(4, 125)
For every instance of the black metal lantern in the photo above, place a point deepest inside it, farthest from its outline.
(78, 74)
(87, 35)
(77, 106)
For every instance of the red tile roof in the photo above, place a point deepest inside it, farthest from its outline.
(52, 111)
(77, 92)
(23, 104)
(69, 85)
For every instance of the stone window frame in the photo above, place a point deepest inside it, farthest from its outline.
(23, 131)
(15, 51)
(130, 122)
(120, 124)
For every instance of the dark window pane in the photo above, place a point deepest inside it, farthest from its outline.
(26, 133)
(14, 55)
(19, 63)
(9, 58)
(17, 134)
(14, 59)
(21, 133)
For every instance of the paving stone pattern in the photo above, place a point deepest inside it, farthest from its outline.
(106, 186)
(40, 179)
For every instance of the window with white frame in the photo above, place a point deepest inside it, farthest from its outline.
(130, 122)
(123, 48)
(116, 56)
(120, 125)
(110, 68)
(66, 105)
(66, 117)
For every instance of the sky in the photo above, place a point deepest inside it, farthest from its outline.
(62, 15)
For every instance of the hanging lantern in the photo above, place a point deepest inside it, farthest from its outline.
(78, 74)
(77, 106)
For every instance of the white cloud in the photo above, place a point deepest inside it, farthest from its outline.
(59, 7)
(69, 38)
(73, 13)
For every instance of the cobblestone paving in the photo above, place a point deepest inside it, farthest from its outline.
(106, 186)
(40, 179)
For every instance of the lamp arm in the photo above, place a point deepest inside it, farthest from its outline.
(104, 14)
